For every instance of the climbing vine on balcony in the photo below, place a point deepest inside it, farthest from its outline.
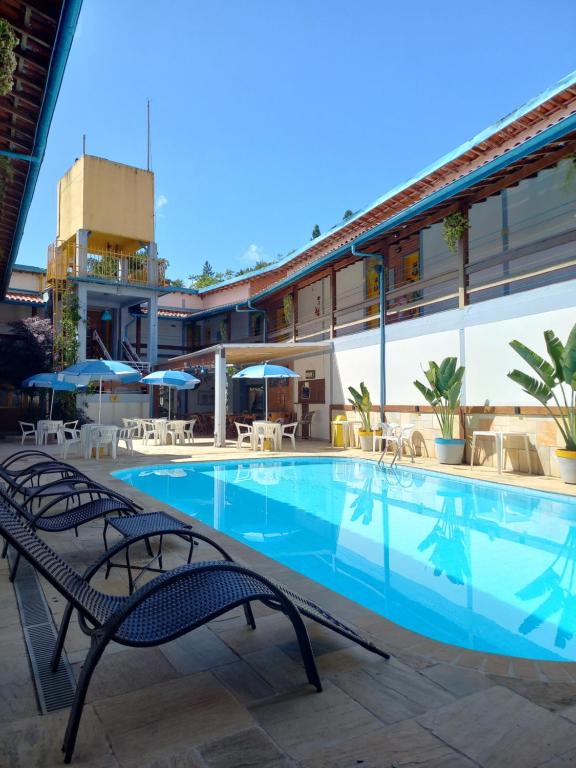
(454, 226)
(288, 308)
(8, 41)
(66, 342)
(6, 175)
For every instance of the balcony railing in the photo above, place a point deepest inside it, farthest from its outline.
(66, 260)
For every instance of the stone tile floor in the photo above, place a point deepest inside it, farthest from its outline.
(226, 696)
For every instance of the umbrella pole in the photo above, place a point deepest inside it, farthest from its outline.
(100, 405)
(265, 399)
(169, 401)
(51, 404)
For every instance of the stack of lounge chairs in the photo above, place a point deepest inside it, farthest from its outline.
(40, 494)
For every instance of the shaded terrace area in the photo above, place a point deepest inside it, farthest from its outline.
(223, 357)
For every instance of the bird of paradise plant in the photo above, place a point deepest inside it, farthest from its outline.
(557, 380)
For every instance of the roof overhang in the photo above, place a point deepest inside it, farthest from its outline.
(45, 29)
(243, 354)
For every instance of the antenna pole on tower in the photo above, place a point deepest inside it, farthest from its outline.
(148, 147)
(83, 143)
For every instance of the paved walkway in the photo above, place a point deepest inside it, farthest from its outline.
(225, 696)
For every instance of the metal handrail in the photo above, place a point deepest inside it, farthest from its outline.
(102, 347)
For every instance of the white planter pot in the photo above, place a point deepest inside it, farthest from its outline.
(366, 442)
(449, 451)
(567, 465)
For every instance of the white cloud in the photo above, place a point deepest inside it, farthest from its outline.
(161, 201)
(253, 254)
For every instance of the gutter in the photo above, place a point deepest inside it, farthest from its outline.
(382, 295)
(61, 50)
(250, 308)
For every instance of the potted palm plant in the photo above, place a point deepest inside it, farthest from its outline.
(443, 394)
(556, 382)
(362, 405)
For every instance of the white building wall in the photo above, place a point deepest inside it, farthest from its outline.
(478, 335)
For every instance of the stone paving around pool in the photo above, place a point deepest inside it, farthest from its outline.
(226, 696)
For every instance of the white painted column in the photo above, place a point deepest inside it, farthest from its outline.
(220, 398)
(82, 327)
(153, 329)
(81, 252)
(152, 265)
(123, 319)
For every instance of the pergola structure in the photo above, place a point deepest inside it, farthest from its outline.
(45, 30)
(222, 355)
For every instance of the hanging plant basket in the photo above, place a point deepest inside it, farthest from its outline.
(8, 41)
(453, 229)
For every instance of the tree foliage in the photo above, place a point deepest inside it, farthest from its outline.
(316, 232)
(209, 277)
(28, 350)
(347, 214)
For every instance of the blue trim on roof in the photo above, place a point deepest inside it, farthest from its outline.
(170, 289)
(60, 51)
(533, 103)
(29, 268)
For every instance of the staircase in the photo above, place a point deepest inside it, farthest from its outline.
(130, 356)
(101, 348)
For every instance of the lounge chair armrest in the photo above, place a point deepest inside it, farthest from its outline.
(89, 490)
(190, 572)
(129, 541)
(24, 455)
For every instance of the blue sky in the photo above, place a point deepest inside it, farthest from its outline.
(270, 117)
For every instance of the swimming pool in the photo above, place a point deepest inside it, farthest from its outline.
(484, 566)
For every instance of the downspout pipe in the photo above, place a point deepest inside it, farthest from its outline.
(62, 44)
(262, 312)
(382, 293)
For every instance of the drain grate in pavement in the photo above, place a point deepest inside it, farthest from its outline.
(54, 690)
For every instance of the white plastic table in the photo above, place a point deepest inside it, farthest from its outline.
(86, 431)
(498, 437)
(258, 427)
(47, 427)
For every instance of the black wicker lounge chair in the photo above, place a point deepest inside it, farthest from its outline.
(171, 605)
(147, 525)
(33, 458)
(99, 503)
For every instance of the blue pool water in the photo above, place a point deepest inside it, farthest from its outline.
(483, 566)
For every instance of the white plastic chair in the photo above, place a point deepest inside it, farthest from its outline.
(189, 431)
(175, 431)
(28, 431)
(245, 432)
(70, 437)
(127, 434)
(402, 436)
(70, 425)
(105, 436)
(387, 428)
(289, 431)
(152, 430)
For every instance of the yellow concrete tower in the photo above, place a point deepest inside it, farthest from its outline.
(104, 259)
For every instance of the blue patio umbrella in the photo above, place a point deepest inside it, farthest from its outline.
(171, 379)
(100, 370)
(50, 381)
(266, 371)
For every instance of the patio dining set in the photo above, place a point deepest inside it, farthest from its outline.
(93, 439)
